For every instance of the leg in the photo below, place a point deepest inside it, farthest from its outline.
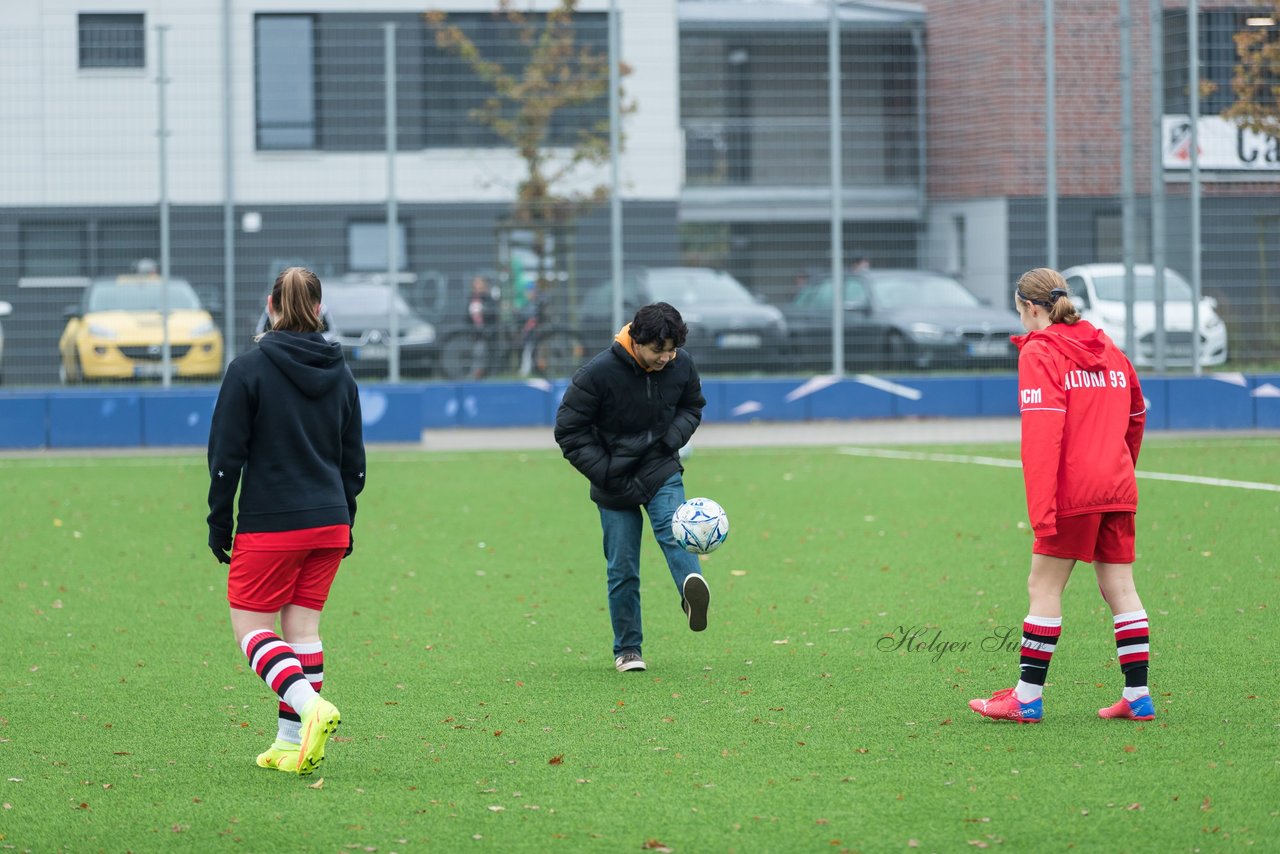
(1043, 623)
(1115, 582)
(660, 509)
(1040, 631)
(1048, 578)
(1133, 641)
(1114, 566)
(621, 530)
(300, 627)
(686, 572)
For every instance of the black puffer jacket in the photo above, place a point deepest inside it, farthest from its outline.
(623, 427)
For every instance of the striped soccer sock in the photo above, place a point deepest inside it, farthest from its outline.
(311, 657)
(276, 662)
(1133, 648)
(1039, 639)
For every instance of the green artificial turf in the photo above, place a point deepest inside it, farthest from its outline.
(857, 605)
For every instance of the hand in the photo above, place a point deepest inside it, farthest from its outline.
(220, 545)
(351, 545)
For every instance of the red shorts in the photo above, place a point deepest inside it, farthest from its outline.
(278, 568)
(1103, 537)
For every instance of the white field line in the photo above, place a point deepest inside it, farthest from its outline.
(884, 453)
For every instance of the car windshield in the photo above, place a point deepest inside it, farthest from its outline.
(349, 301)
(112, 295)
(1111, 288)
(902, 290)
(686, 288)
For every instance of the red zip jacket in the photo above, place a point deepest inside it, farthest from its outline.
(1082, 420)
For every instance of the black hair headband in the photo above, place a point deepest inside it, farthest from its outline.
(1054, 295)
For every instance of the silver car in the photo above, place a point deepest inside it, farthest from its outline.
(1098, 290)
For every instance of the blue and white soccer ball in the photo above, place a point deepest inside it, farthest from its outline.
(700, 525)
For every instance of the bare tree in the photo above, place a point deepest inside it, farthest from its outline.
(559, 73)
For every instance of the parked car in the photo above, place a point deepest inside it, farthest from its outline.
(117, 331)
(5, 310)
(359, 307)
(729, 329)
(901, 320)
(1099, 293)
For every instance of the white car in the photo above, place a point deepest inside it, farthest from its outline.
(5, 310)
(1099, 292)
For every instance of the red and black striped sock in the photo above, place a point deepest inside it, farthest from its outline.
(278, 665)
(1133, 648)
(311, 657)
(1039, 640)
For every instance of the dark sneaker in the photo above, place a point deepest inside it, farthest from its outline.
(697, 596)
(628, 661)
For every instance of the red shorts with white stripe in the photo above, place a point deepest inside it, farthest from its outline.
(272, 569)
(1104, 537)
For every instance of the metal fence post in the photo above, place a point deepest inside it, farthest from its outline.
(393, 268)
(162, 81)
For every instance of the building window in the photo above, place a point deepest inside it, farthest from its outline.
(52, 249)
(452, 90)
(1108, 237)
(284, 54)
(320, 81)
(119, 244)
(113, 41)
(367, 247)
(1217, 61)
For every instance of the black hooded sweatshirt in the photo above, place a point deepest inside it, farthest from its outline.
(286, 431)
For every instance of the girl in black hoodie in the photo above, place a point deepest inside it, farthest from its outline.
(286, 433)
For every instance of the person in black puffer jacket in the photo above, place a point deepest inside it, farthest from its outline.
(622, 422)
(286, 433)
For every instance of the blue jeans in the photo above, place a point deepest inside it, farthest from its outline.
(622, 530)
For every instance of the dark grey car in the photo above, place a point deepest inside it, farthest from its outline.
(729, 329)
(361, 319)
(902, 320)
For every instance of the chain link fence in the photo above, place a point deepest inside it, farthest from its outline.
(170, 162)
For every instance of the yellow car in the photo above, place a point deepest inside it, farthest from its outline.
(117, 333)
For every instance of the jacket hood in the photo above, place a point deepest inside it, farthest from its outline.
(311, 363)
(1081, 342)
(624, 338)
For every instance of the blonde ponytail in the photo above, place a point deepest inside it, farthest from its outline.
(1047, 289)
(296, 300)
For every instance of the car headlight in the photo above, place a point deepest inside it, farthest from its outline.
(97, 330)
(926, 332)
(203, 328)
(421, 333)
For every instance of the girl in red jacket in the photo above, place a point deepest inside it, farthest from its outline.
(1082, 419)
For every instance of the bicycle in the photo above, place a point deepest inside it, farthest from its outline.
(516, 346)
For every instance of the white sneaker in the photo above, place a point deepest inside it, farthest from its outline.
(697, 596)
(628, 661)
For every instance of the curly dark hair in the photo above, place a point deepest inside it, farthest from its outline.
(659, 321)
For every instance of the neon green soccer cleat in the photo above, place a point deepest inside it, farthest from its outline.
(282, 756)
(319, 721)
